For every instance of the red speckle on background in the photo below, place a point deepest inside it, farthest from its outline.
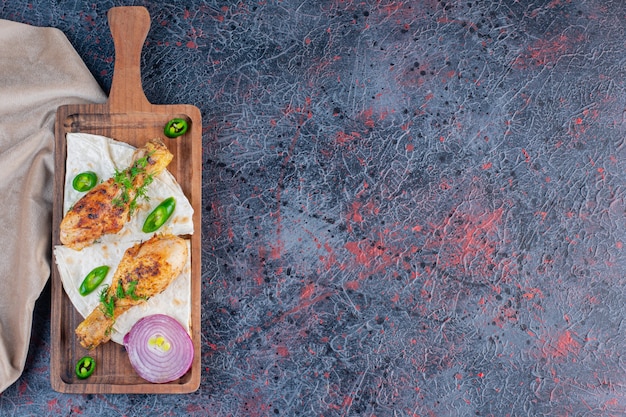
(560, 345)
(367, 117)
(354, 215)
(331, 259)
(343, 138)
(277, 249)
(566, 344)
(282, 351)
(469, 240)
(308, 291)
(352, 285)
(53, 405)
(546, 52)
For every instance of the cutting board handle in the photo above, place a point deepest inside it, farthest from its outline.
(129, 27)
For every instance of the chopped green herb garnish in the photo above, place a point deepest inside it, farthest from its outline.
(131, 291)
(107, 303)
(126, 178)
(119, 291)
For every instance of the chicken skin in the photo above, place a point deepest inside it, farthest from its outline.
(146, 269)
(108, 206)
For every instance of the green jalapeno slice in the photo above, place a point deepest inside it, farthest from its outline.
(93, 279)
(85, 367)
(175, 128)
(85, 181)
(159, 215)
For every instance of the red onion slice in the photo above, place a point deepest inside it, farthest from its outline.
(159, 348)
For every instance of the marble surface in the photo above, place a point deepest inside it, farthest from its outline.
(410, 208)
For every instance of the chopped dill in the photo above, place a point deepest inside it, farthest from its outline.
(131, 291)
(126, 178)
(119, 291)
(107, 303)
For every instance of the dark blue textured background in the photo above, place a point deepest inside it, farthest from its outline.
(411, 208)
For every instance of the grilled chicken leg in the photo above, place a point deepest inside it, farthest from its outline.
(108, 206)
(145, 270)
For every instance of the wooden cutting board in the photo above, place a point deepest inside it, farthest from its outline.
(129, 117)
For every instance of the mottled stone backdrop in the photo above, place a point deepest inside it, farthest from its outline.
(410, 208)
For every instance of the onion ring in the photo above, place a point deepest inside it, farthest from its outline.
(159, 348)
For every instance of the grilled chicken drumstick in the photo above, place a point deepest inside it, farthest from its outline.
(108, 206)
(145, 270)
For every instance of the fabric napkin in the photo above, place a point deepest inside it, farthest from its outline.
(39, 71)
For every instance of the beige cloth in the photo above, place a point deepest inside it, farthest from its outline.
(39, 71)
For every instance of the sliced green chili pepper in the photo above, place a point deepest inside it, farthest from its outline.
(159, 215)
(85, 367)
(175, 128)
(85, 181)
(93, 279)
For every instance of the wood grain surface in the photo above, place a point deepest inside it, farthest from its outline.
(129, 117)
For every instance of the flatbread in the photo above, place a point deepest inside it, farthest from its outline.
(174, 301)
(103, 155)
